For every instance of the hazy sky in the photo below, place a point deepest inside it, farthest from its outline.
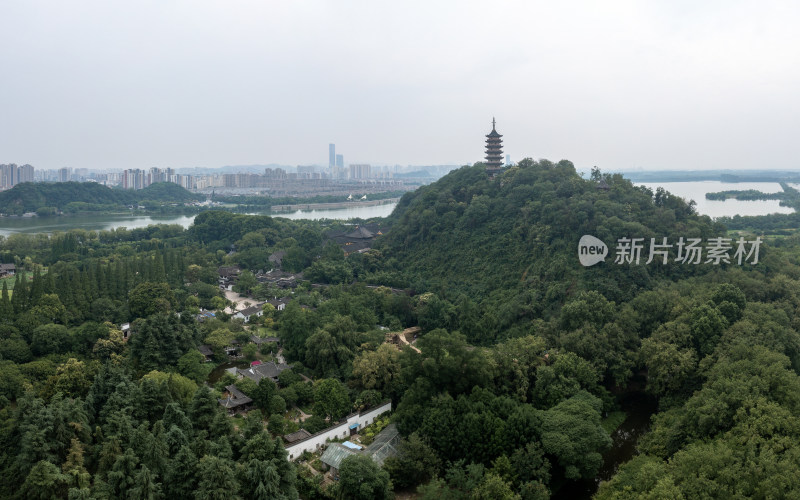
(617, 84)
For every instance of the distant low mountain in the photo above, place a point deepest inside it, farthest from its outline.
(79, 196)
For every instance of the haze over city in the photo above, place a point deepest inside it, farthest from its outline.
(622, 85)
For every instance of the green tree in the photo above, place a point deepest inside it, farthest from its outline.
(203, 408)
(707, 325)
(180, 477)
(149, 298)
(193, 365)
(415, 463)
(146, 487)
(361, 479)
(515, 363)
(276, 424)
(295, 327)
(50, 339)
(122, 477)
(14, 348)
(730, 300)
(668, 366)
(572, 433)
(565, 375)
(331, 399)
(73, 469)
(6, 309)
(217, 480)
(105, 347)
(494, 487)
(44, 482)
(160, 340)
(73, 378)
(246, 282)
(379, 370)
(263, 393)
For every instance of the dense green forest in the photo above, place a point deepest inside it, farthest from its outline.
(513, 389)
(87, 196)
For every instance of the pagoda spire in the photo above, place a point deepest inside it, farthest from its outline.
(494, 150)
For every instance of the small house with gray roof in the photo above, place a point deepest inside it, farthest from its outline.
(7, 270)
(250, 312)
(235, 400)
(269, 370)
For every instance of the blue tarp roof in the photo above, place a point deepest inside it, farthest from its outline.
(354, 426)
(352, 446)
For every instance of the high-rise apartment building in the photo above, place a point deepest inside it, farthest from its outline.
(8, 175)
(64, 174)
(134, 179)
(26, 173)
(360, 171)
(331, 155)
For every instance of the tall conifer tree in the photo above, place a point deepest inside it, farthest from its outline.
(6, 309)
(19, 299)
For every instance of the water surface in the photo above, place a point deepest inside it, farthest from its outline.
(107, 222)
(696, 190)
(91, 222)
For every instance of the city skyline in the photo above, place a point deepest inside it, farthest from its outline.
(655, 85)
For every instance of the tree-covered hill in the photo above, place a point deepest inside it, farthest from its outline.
(519, 233)
(166, 192)
(74, 196)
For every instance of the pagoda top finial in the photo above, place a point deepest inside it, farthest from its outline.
(493, 123)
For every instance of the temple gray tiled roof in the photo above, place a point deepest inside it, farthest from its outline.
(235, 398)
(269, 369)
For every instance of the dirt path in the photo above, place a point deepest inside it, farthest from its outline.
(313, 470)
(302, 415)
(238, 301)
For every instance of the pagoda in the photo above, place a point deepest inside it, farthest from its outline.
(494, 151)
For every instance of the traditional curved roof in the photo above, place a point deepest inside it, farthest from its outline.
(361, 233)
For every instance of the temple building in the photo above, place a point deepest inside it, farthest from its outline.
(494, 151)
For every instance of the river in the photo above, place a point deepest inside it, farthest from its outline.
(696, 190)
(106, 222)
(89, 222)
(366, 212)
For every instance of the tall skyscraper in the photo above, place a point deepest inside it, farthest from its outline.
(331, 155)
(340, 161)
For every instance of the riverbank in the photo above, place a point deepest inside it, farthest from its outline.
(100, 222)
(333, 206)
